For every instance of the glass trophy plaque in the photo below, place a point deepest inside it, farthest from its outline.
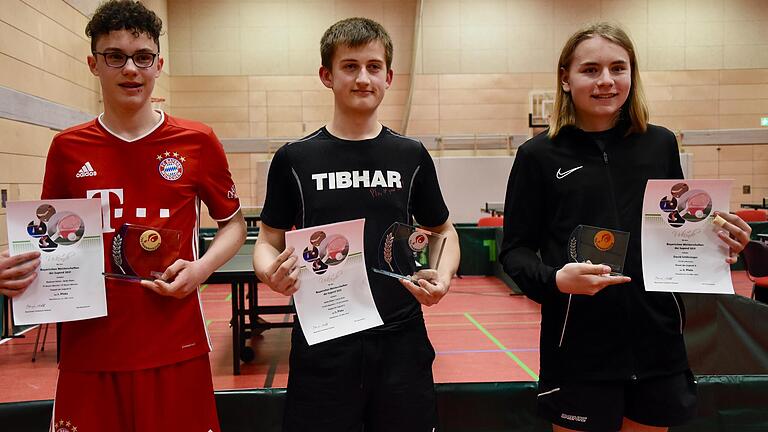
(406, 250)
(599, 246)
(141, 252)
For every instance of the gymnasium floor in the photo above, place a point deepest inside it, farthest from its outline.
(481, 333)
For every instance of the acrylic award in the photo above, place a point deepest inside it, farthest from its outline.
(141, 252)
(599, 246)
(407, 252)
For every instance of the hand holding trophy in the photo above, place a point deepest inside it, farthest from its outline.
(412, 255)
(143, 253)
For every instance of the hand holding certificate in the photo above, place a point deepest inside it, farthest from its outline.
(17, 272)
(335, 298)
(682, 248)
(67, 233)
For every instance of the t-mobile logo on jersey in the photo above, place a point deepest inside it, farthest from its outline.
(357, 179)
(106, 211)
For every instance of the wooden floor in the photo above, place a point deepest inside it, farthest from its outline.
(480, 332)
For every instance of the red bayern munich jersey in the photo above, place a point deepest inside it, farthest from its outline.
(156, 180)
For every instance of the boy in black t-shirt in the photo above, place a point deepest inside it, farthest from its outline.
(379, 379)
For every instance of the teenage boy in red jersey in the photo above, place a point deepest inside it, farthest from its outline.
(144, 367)
(379, 379)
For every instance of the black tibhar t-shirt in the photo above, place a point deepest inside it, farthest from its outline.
(323, 179)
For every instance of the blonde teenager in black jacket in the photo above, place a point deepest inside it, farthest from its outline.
(612, 355)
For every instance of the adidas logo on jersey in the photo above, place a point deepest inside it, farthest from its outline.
(86, 171)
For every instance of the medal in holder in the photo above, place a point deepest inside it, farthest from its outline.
(409, 252)
(142, 252)
(599, 246)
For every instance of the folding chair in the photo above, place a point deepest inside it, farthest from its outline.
(752, 215)
(42, 328)
(755, 257)
(491, 221)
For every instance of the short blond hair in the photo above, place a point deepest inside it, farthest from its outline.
(564, 112)
(354, 32)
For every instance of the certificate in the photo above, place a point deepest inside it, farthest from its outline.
(334, 298)
(681, 249)
(67, 233)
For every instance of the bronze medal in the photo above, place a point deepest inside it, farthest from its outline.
(604, 240)
(150, 240)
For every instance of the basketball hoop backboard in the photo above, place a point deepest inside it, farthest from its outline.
(158, 103)
(541, 103)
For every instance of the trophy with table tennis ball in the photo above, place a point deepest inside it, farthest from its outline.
(599, 246)
(409, 252)
(141, 252)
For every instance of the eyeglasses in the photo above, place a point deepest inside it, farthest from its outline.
(116, 59)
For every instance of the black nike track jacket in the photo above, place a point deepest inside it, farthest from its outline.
(622, 332)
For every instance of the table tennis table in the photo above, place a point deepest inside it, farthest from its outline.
(493, 208)
(246, 311)
(252, 215)
(762, 206)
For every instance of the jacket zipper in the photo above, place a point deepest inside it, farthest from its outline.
(565, 321)
(679, 312)
(610, 187)
(616, 215)
(633, 376)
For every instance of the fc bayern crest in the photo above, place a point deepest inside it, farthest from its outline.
(62, 426)
(170, 167)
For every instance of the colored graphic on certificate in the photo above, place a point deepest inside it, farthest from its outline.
(69, 285)
(681, 249)
(334, 297)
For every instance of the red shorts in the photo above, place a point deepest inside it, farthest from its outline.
(177, 397)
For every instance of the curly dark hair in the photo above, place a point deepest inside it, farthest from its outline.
(130, 15)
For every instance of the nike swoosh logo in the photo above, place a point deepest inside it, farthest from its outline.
(561, 175)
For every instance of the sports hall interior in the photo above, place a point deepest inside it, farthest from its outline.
(469, 80)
